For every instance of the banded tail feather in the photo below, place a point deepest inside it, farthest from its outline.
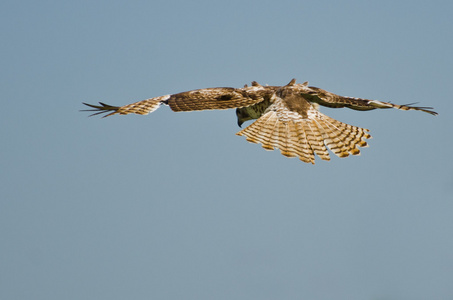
(304, 138)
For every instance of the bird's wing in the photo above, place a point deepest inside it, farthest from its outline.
(143, 107)
(202, 99)
(218, 98)
(325, 98)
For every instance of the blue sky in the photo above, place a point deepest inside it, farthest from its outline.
(175, 205)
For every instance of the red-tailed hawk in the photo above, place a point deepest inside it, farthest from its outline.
(287, 116)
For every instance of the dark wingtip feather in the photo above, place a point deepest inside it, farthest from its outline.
(103, 108)
(426, 109)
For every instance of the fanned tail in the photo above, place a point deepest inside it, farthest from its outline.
(304, 138)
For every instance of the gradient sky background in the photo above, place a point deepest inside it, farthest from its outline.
(174, 205)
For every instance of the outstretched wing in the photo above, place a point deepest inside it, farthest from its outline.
(294, 126)
(325, 98)
(202, 99)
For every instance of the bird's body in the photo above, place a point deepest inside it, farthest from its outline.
(287, 116)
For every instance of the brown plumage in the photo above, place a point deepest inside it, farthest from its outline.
(287, 116)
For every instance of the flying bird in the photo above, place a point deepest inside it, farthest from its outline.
(287, 117)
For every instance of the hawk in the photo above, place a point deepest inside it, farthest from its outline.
(287, 117)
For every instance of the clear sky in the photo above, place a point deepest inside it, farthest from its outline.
(175, 205)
